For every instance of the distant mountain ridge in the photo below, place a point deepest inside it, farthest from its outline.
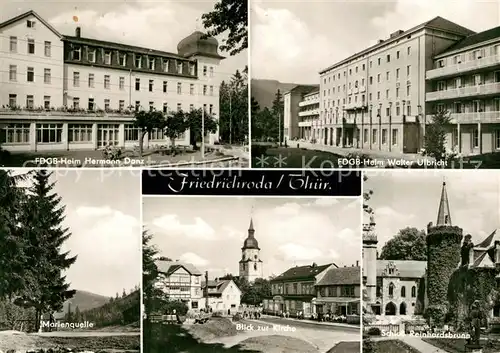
(264, 91)
(84, 300)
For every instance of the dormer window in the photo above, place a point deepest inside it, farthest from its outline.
(166, 67)
(107, 58)
(179, 68)
(30, 24)
(123, 59)
(77, 53)
(138, 61)
(151, 63)
(91, 56)
(192, 69)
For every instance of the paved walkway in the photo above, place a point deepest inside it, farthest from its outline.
(313, 322)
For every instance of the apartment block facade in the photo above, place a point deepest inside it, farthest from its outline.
(375, 99)
(465, 82)
(69, 92)
(301, 108)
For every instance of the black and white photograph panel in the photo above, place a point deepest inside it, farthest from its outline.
(123, 83)
(431, 257)
(70, 261)
(246, 274)
(397, 80)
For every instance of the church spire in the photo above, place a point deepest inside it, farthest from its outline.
(444, 216)
(251, 231)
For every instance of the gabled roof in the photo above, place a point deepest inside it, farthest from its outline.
(169, 267)
(341, 276)
(490, 239)
(308, 272)
(436, 23)
(28, 14)
(404, 268)
(483, 260)
(219, 285)
(473, 39)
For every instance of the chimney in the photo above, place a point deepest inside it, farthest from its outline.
(397, 33)
(357, 263)
(380, 41)
(206, 290)
(78, 32)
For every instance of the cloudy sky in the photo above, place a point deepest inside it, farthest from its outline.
(291, 41)
(152, 24)
(411, 198)
(105, 225)
(209, 232)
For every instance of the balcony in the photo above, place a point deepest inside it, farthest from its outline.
(305, 103)
(355, 106)
(478, 90)
(473, 118)
(309, 112)
(457, 69)
(305, 123)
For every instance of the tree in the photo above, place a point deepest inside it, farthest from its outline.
(124, 294)
(194, 122)
(175, 126)
(42, 225)
(256, 292)
(149, 270)
(12, 241)
(278, 109)
(408, 244)
(233, 120)
(229, 16)
(265, 125)
(147, 122)
(435, 135)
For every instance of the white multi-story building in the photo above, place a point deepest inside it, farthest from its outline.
(376, 99)
(180, 281)
(301, 107)
(465, 82)
(62, 92)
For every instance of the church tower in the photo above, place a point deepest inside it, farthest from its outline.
(250, 263)
(443, 255)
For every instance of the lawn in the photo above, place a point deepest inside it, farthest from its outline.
(458, 345)
(389, 346)
(346, 347)
(283, 157)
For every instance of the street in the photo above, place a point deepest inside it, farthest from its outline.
(322, 336)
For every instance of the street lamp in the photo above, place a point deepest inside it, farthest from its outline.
(370, 137)
(380, 126)
(419, 112)
(390, 126)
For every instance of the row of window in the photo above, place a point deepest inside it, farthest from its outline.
(363, 66)
(293, 288)
(47, 79)
(476, 106)
(403, 291)
(140, 61)
(331, 102)
(30, 46)
(77, 133)
(370, 81)
(92, 105)
(469, 56)
(332, 291)
(467, 81)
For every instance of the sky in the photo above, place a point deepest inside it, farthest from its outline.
(291, 41)
(411, 198)
(103, 216)
(209, 232)
(157, 25)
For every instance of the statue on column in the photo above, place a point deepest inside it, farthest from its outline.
(475, 323)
